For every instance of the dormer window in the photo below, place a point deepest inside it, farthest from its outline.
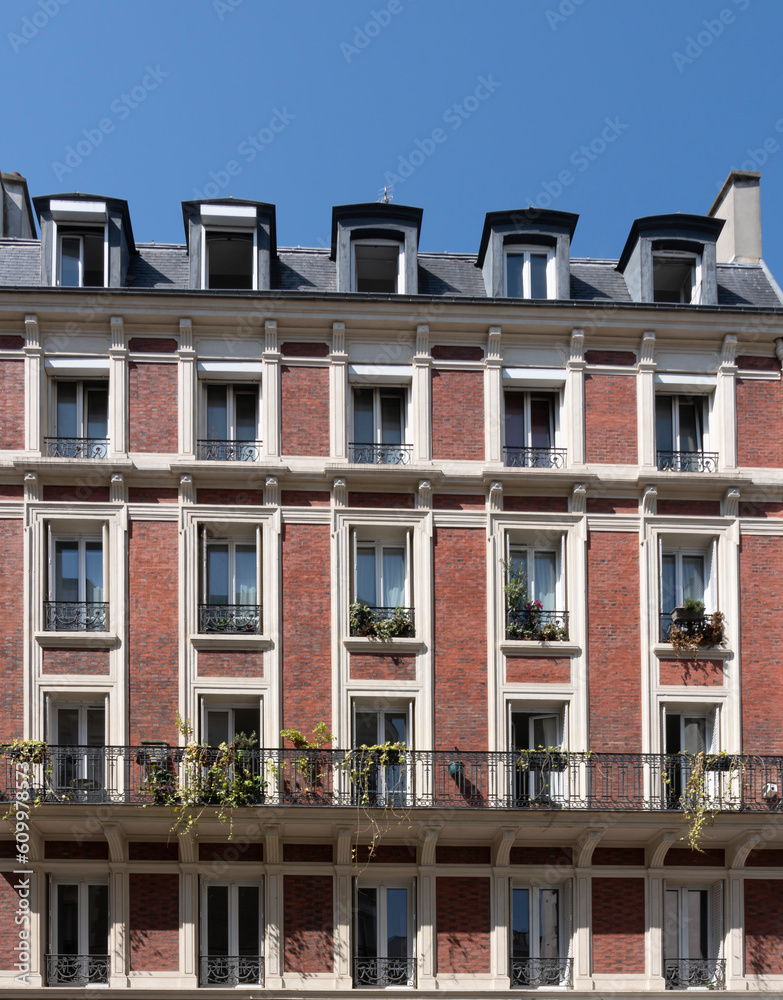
(676, 278)
(377, 267)
(530, 273)
(81, 258)
(229, 260)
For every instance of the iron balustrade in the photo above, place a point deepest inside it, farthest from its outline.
(530, 973)
(566, 780)
(77, 970)
(76, 616)
(229, 451)
(367, 453)
(688, 461)
(695, 973)
(61, 447)
(231, 970)
(384, 972)
(532, 623)
(229, 619)
(369, 620)
(534, 458)
(698, 630)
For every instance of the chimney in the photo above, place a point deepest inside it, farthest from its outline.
(739, 203)
(16, 212)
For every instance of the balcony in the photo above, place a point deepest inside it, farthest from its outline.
(61, 447)
(231, 970)
(532, 973)
(229, 619)
(229, 451)
(534, 458)
(381, 972)
(686, 631)
(380, 454)
(76, 616)
(77, 970)
(372, 622)
(695, 973)
(688, 461)
(537, 624)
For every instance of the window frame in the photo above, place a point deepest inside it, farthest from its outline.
(400, 279)
(82, 540)
(534, 888)
(377, 546)
(381, 886)
(683, 256)
(715, 924)
(218, 230)
(231, 388)
(401, 391)
(531, 551)
(214, 702)
(393, 780)
(708, 553)
(79, 232)
(251, 538)
(525, 252)
(702, 402)
(552, 396)
(83, 885)
(233, 886)
(84, 386)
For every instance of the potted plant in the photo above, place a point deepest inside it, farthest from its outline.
(719, 762)
(544, 759)
(690, 610)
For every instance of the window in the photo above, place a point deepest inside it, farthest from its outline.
(530, 431)
(81, 421)
(540, 932)
(241, 771)
(535, 738)
(530, 274)
(535, 592)
(81, 258)
(231, 427)
(232, 934)
(79, 735)
(229, 260)
(79, 933)
(686, 574)
(384, 782)
(229, 578)
(693, 937)
(384, 935)
(76, 593)
(225, 723)
(377, 267)
(680, 434)
(676, 278)
(382, 589)
(379, 426)
(686, 734)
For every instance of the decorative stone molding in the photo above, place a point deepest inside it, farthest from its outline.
(493, 345)
(187, 490)
(586, 844)
(343, 854)
(650, 501)
(340, 493)
(272, 852)
(338, 338)
(270, 336)
(579, 499)
(185, 335)
(429, 837)
(271, 492)
(647, 355)
(496, 496)
(728, 353)
(32, 333)
(424, 496)
(657, 850)
(422, 343)
(31, 486)
(117, 488)
(503, 844)
(738, 851)
(731, 503)
(577, 358)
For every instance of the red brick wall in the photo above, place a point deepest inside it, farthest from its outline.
(458, 501)
(380, 667)
(692, 672)
(684, 857)
(239, 849)
(386, 854)
(612, 505)
(457, 414)
(769, 857)
(153, 902)
(619, 856)
(305, 498)
(307, 657)
(153, 494)
(304, 349)
(11, 492)
(445, 352)
(758, 508)
(152, 345)
(308, 923)
(153, 851)
(12, 404)
(610, 419)
(759, 423)
(538, 670)
(308, 853)
(689, 508)
(618, 925)
(560, 856)
(230, 663)
(76, 494)
(761, 583)
(610, 358)
(460, 629)
(462, 925)
(9, 931)
(74, 850)
(11, 650)
(405, 500)
(152, 398)
(304, 405)
(546, 505)
(75, 661)
(463, 854)
(240, 497)
(613, 639)
(153, 655)
(763, 927)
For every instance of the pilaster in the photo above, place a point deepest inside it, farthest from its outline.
(421, 396)
(270, 392)
(493, 397)
(187, 389)
(338, 393)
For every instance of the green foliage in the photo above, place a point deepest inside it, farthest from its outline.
(693, 606)
(703, 633)
(701, 803)
(26, 751)
(374, 624)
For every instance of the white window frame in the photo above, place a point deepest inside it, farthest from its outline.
(715, 919)
(514, 547)
(381, 941)
(210, 703)
(377, 546)
(215, 230)
(233, 907)
(677, 398)
(565, 918)
(231, 412)
(83, 912)
(231, 541)
(531, 783)
(525, 252)
(400, 289)
(378, 391)
(383, 794)
(81, 540)
(682, 256)
(554, 396)
(83, 704)
(81, 404)
(58, 252)
(709, 553)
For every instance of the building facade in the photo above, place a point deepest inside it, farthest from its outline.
(382, 619)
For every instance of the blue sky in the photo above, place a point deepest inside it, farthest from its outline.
(608, 108)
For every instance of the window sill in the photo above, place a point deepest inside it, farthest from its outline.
(665, 651)
(534, 647)
(76, 640)
(220, 640)
(364, 644)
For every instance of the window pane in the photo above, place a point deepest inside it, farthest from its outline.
(363, 416)
(217, 574)
(93, 565)
(545, 731)
(93, 260)
(545, 573)
(246, 720)
(248, 920)
(515, 263)
(520, 924)
(70, 251)
(97, 919)
(96, 727)
(693, 577)
(68, 726)
(217, 726)
(365, 576)
(668, 584)
(229, 260)
(367, 923)
(67, 418)
(518, 561)
(217, 416)
(694, 734)
(393, 578)
(376, 267)
(66, 570)
(97, 412)
(68, 919)
(515, 419)
(538, 275)
(397, 923)
(366, 724)
(246, 407)
(690, 427)
(541, 422)
(549, 923)
(217, 920)
(395, 726)
(245, 561)
(664, 431)
(391, 419)
(671, 924)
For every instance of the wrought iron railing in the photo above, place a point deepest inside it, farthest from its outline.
(695, 973)
(696, 632)
(384, 972)
(530, 973)
(76, 616)
(532, 623)
(453, 779)
(380, 454)
(379, 623)
(688, 461)
(229, 451)
(534, 458)
(77, 970)
(229, 619)
(231, 970)
(60, 447)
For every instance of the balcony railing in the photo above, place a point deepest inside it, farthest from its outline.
(532, 623)
(77, 970)
(688, 461)
(380, 454)
(522, 779)
(534, 458)
(698, 632)
(530, 973)
(58, 447)
(381, 972)
(231, 970)
(695, 973)
(229, 451)
(76, 616)
(381, 623)
(229, 619)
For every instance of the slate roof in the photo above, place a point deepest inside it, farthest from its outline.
(158, 265)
